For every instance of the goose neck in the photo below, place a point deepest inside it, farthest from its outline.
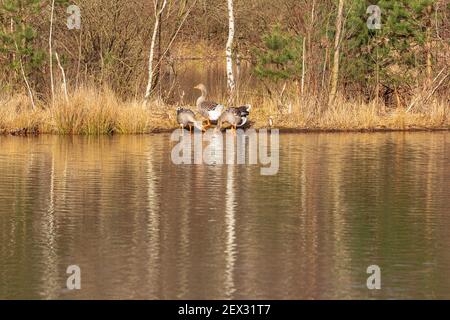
(200, 100)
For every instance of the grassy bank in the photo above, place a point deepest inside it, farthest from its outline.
(94, 112)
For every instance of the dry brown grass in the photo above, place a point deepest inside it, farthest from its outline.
(309, 113)
(94, 112)
(88, 112)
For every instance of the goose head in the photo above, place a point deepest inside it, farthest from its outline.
(202, 88)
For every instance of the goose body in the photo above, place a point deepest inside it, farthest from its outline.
(232, 116)
(186, 118)
(215, 113)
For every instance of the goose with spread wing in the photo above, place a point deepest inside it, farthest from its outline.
(208, 109)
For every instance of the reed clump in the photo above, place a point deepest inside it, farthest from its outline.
(89, 111)
(85, 112)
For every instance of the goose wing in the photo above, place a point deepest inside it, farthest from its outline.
(185, 110)
(208, 108)
(241, 112)
(209, 105)
(244, 110)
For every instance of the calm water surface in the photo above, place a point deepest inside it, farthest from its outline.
(141, 227)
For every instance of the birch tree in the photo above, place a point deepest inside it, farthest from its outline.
(50, 52)
(158, 13)
(229, 50)
(337, 52)
(428, 41)
(30, 92)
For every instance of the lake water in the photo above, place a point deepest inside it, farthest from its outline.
(140, 227)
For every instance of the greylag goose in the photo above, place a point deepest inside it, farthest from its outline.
(208, 109)
(232, 116)
(186, 118)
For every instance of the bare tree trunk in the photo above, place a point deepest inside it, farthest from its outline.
(310, 48)
(158, 13)
(324, 69)
(157, 68)
(30, 93)
(377, 93)
(429, 57)
(337, 52)
(325, 62)
(50, 52)
(63, 76)
(13, 54)
(22, 69)
(79, 59)
(303, 66)
(230, 75)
